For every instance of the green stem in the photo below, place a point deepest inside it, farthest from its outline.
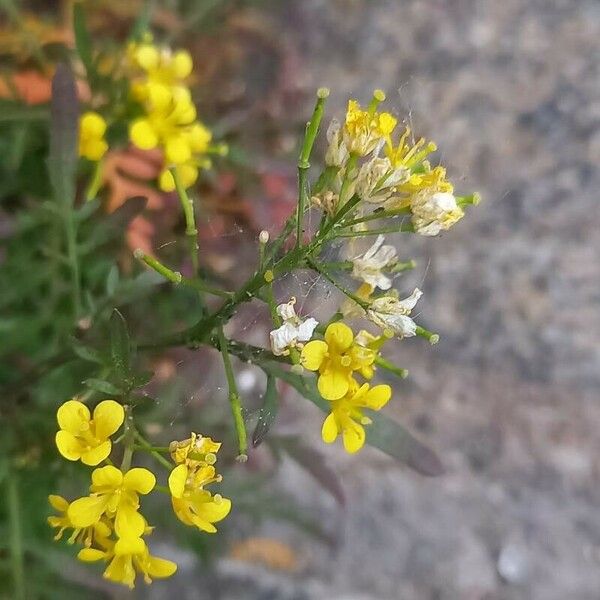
(391, 367)
(155, 452)
(16, 536)
(338, 285)
(312, 128)
(156, 265)
(234, 398)
(406, 228)
(95, 182)
(378, 215)
(433, 338)
(71, 234)
(128, 438)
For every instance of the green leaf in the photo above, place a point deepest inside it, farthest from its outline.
(120, 347)
(64, 132)
(267, 413)
(88, 354)
(83, 42)
(382, 433)
(112, 280)
(103, 387)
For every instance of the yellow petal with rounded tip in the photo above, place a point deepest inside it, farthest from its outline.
(166, 181)
(108, 417)
(377, 397)
(92, 125)
(147, 57)
(353, 436)
(313, 355)
(333, 384)
(58, 502)
(129, 522)
(73, 416)
(96, 455)
(160, 96)
(130, 545)
(160, 567)
(182, 64)
(139, 480)
(107, 477)
(329, 431)
(142, 134)
(86, 511)
(120, 570)
(214, 510)
(339, 336)
(68, 445)
(91, 555)
(177, 480)
(387, 123)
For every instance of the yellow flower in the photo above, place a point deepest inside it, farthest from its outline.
(116, 495)
(83, 535)
(194, 505)
(364, 129)
(197, 450)
(92, 128)
(347, 418)
(84, 437)
(336, 359)
(407, 155)
(126, 555)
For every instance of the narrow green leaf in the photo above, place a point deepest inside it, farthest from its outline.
(83, 42)
(383, 433)
(64, 123)
(103, 387)
(142, 23)
(120, 347)
(15, 112)
(267, 413)
(112, 281)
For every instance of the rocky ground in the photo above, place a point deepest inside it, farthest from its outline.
(511, 93)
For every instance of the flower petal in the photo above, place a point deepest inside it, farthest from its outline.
(73, 416)
(177, 480)
(96, 455)
(377, 397)
(354, 436)
(139, 480)
(108, 417)
(330, 431)
(129, 523)
(68, 445)
(130, 545)
(142, 134)
(160, 567)
(313, 355)
(86, 511)
(106, 477)
(58, 503)
(91, 555)
(340, 336)
(333, 384)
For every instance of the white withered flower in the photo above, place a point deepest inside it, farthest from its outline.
(377, 180)
(369, 266)
(293, 330)
(337, 153)
(434, 212)
(392, 314)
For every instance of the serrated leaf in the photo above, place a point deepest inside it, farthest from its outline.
(267, 412)
(383, 433)
(103, 387)
(83, 42)
(314, 464)
(120, 347)
(64, 127)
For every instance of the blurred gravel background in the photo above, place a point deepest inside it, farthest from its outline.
(510, 91)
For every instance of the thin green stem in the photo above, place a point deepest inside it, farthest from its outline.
(406, 228)
(234, 398)
(383, 214)
(16, 535)
(145, 446)
(433, 338)
(391, 367)
(314, 265)
(172, 276)
(312, 128)
(95, 182)
(71, 234)
(128, 439)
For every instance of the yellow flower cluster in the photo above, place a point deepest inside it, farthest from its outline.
(194, 505)
(390, 175)
(108, 522)
(337, 359)
(92, 128)
(169, 121)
